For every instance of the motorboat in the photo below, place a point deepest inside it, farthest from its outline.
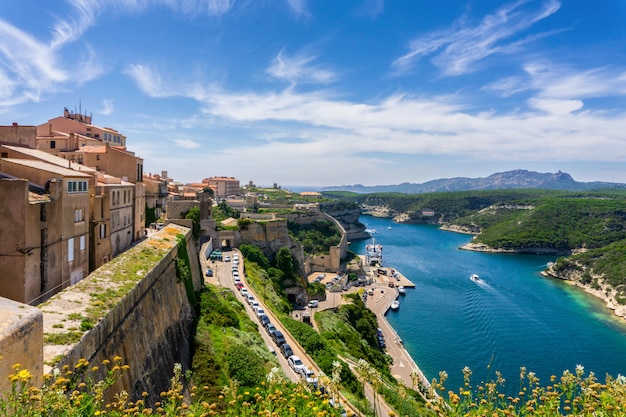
(395, 305)
(475, 278)
(401, 290)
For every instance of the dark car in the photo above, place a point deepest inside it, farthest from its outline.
(270, 329)
(278, 337)
(264, 319)
(286, 350)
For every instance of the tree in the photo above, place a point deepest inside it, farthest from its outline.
(194, 215)
(253, 253)
(284, 262)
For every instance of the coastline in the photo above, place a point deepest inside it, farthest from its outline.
(605, 293)
(404, 367)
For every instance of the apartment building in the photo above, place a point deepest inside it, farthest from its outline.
(81, 127)
(18, 135)
(223, 186)
(156, 192)
(45, 228)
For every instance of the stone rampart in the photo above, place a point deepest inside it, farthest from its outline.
(137, 308)
(21, 341)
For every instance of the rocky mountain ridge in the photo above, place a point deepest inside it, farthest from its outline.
(519, 178)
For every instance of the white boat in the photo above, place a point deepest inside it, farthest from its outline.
(395, 305)
(401, 290)
(475, 278)
(370, 231)
(374, 254)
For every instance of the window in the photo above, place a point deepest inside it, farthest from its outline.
(82, 243)
(77, 186)
(53, 144)
(78, 215)
(4, 155)
(70, 249)
(103, 231)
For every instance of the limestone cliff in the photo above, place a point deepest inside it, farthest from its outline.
(349, 219)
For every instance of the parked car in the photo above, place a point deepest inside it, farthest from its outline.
(309, 376)
(278, 337)
(244, 291)
(259, 311)
(264, 319)
(235, 274)
(238, 285)
(226, 258)
(313, 303)
(254, 304)
(209, 272)
(270, 328)
(286, 350)
(295, 363)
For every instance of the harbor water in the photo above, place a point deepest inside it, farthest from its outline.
(512, 317)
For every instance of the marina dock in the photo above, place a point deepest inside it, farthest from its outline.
(403, 367)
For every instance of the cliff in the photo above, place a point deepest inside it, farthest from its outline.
(349, 220)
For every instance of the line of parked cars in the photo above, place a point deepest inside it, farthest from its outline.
(276, 335)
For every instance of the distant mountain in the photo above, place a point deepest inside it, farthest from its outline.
(519, 178)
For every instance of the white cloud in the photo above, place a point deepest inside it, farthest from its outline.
(187, 143)
(107, 107)
(457, 49)
(555, 81)
(560, 107)
(27, 66)
(299, 68)
(148, 80)
(298, 6)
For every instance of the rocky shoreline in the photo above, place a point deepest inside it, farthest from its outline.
(605, 292)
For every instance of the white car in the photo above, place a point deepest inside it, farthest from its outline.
(295, 363)
(309, 376)
(259, 312)
(313, 303)
(226, 258)
(235, 274)
(254, 304)
(250, 298)
(244, 291)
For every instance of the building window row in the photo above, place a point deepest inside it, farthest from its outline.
(77, 186)
(112, 138)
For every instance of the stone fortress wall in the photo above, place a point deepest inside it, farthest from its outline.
(149, 327)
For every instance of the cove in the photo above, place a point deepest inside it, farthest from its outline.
(513, 318)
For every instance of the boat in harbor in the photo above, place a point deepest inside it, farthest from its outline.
(395, 305)
(401, 290)
(475, 278)
(374, 254)
(370, 231)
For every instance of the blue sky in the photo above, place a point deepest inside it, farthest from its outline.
(330, 92)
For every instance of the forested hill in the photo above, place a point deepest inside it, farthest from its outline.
(513, 219)
(591, 223)
(502, 180)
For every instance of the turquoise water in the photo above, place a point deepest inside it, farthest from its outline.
(514, 318)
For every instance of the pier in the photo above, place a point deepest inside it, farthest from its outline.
(383, 292)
